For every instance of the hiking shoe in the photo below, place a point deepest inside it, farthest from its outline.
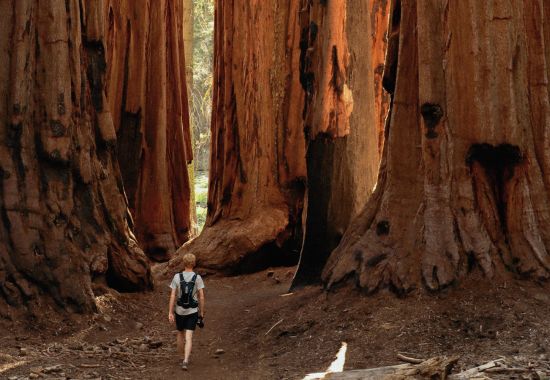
(184, 366)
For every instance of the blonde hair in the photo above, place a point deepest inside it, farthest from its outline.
(189, 260)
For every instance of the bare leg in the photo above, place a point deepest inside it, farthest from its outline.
(181, 339)
(188, 344)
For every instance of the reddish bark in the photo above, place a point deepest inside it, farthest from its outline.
(379, 16)
(257, 170)
(342, 154)
(64, 218)
(463, 184)
(257, 183)
(147, 95)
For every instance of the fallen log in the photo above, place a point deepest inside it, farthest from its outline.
(434, 368)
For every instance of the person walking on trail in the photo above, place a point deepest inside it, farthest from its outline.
(186, 306)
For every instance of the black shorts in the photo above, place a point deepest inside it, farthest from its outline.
(187, 322)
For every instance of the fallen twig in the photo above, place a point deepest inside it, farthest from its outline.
(83, 365)
(476, 371)
(508, 369)
(409, 359)
(272, 327)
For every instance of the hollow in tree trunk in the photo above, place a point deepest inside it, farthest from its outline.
(464, 180)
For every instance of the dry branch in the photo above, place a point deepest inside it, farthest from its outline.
(409, 359)
(272, 327)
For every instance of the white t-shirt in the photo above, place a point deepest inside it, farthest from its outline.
(175, 284)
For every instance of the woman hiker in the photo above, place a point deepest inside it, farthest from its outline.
(187, 293)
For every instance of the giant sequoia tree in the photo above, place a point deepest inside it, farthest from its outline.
(147, 95)
(257, 166)
(64, 216)
(286, 81)
(465, 177)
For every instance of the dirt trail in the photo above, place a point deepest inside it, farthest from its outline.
(131, 338)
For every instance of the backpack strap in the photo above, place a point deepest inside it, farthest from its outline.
(194, 290)
(181, 284)
(192, 284)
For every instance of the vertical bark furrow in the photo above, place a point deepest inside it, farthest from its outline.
(441, 249)
(64, 214)
(379, 18)
(538, 53)
(291, 147)
(392, 53)
(324, 66)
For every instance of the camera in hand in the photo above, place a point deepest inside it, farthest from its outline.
(200, 322)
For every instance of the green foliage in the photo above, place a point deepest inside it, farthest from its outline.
(201, 217)
(201, 99)
(202, 199)
(203, 50)
(201, 196)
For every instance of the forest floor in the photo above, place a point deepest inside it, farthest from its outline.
(256, 330)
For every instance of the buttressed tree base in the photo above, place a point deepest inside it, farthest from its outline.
(464, 179)
(64, 219)
(257, 167)
(94, 129)
(283, 85)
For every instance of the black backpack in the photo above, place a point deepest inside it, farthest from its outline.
(186, 299)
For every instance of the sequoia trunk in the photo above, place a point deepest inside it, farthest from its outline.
(343, 131)
(257, 168)
(293, 72)
(64, 216)
(464, 179)
(147, 95)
